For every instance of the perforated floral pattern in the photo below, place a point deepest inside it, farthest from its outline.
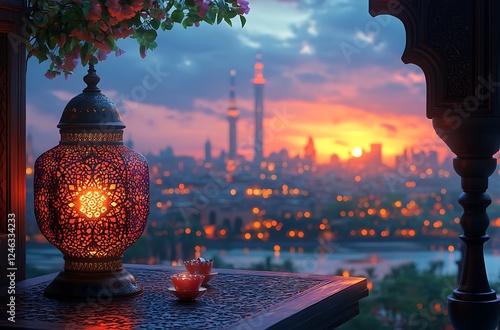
(91, 201)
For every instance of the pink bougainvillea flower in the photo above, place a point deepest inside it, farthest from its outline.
(50, 75)
(94, 14)
(157, 13)
(119, 52)
(243, 7)
(204, 6)
(113, 7)
(100, 46)
(123, 11)
(62, 40)
(69, 64)
(106, 21)
(137, 5)
(102, 54)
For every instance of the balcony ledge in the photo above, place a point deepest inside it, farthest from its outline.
(235, 299)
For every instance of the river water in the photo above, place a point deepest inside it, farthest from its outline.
(356, 261)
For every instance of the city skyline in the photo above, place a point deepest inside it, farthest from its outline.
(257, 155)
(259, 82)
(332, 72)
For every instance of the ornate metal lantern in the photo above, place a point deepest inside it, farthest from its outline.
(91, 198)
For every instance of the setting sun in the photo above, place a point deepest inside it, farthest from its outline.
(357, 152)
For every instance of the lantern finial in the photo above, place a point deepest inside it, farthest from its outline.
(91, 112)
(91, 79)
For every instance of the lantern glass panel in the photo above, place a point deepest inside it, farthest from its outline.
(91, 200)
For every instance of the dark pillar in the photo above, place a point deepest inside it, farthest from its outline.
(457, 45)
(12, 139)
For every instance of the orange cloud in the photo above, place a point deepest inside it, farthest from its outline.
(153, 127)
(335, 127)
(287, 124)
(329, 123)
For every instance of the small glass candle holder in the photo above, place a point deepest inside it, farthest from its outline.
(185, 282)
(199, 266)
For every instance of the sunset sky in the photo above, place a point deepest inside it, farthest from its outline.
(333, 72)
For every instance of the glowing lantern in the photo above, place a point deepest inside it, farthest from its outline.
(91, 198)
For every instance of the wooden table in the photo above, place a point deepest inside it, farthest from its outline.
(235, 299)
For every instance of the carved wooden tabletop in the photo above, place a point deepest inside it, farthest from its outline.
(233, 300)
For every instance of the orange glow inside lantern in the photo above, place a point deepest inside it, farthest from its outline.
(93, 204)
(91, 197)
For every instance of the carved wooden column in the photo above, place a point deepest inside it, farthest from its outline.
(457, 45)
(12, 138)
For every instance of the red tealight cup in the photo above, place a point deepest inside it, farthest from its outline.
(184, 282)
(199, 266)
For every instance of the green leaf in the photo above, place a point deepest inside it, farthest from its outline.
(65, 48)
(243, 20)
(85, 50)
(211, 22)
(177, 16)
(140, 32)
(222, 5)
(42, 37)
(41, 56)
(188, 22)
(228, 21)
(29, 47)
(210, 17)
(72, 42)
(152, 45)
(52, 42)
(232, 14)
(136, 20)
(220, 17)
(86, 7)
(62, 51)
(111, 42)
(150, 35)
(155, 23)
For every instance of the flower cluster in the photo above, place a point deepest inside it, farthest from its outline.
(65, 32)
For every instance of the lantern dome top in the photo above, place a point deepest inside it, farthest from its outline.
(91, 109)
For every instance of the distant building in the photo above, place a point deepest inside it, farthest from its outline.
(433, 159)
(418, 161)
(310, 151)
(259, 82)
(30, 158)
(335, 160)
(369, 160)
(208, 152)
(375, 155)
(167, 153)
(222, 156)
(232, 117)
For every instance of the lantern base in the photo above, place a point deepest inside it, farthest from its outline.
(103, 286)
